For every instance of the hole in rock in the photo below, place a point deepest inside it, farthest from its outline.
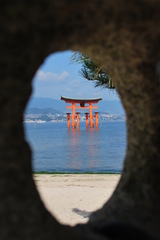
(75, 170)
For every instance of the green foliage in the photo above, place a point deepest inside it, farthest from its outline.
(92, 72)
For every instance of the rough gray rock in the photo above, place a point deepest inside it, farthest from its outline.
(124, 38)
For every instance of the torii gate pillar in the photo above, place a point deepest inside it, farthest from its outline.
(87, 125)
(77, 119)
(73, 115)
(68, 120)
(91, 116)
(96, 116)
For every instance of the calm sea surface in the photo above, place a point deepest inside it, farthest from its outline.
(55, 148)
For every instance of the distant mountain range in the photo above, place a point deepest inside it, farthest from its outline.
(45, 105)
(41, 111)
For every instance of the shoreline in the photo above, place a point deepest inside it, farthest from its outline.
(76, 173)
(72, 198)
(103, 121)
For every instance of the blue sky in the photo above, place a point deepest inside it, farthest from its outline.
(56, 76)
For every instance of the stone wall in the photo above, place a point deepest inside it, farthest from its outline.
(124, 38)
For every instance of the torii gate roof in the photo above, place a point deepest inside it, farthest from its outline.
(81, 100)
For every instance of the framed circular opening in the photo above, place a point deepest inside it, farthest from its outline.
(75, 170)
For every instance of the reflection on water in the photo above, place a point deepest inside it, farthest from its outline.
(83, 148)
(55, 148)
(73, 148)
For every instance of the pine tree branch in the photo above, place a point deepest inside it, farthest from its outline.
(92, 72)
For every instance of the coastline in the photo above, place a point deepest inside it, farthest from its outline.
(65, 121)
(70, 173)
(71, 197)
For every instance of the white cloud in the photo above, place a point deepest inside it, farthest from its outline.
(75, 83)
(49, 76)
(68, 90)
(79, 94)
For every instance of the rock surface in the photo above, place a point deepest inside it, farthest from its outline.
(124, 38)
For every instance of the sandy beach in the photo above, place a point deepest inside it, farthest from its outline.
(71, 198)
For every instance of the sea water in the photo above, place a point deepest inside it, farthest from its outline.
(57, 149)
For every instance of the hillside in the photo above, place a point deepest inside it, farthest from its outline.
(114, 107)
(41, 111)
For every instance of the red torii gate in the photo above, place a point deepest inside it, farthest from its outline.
(82, 103)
